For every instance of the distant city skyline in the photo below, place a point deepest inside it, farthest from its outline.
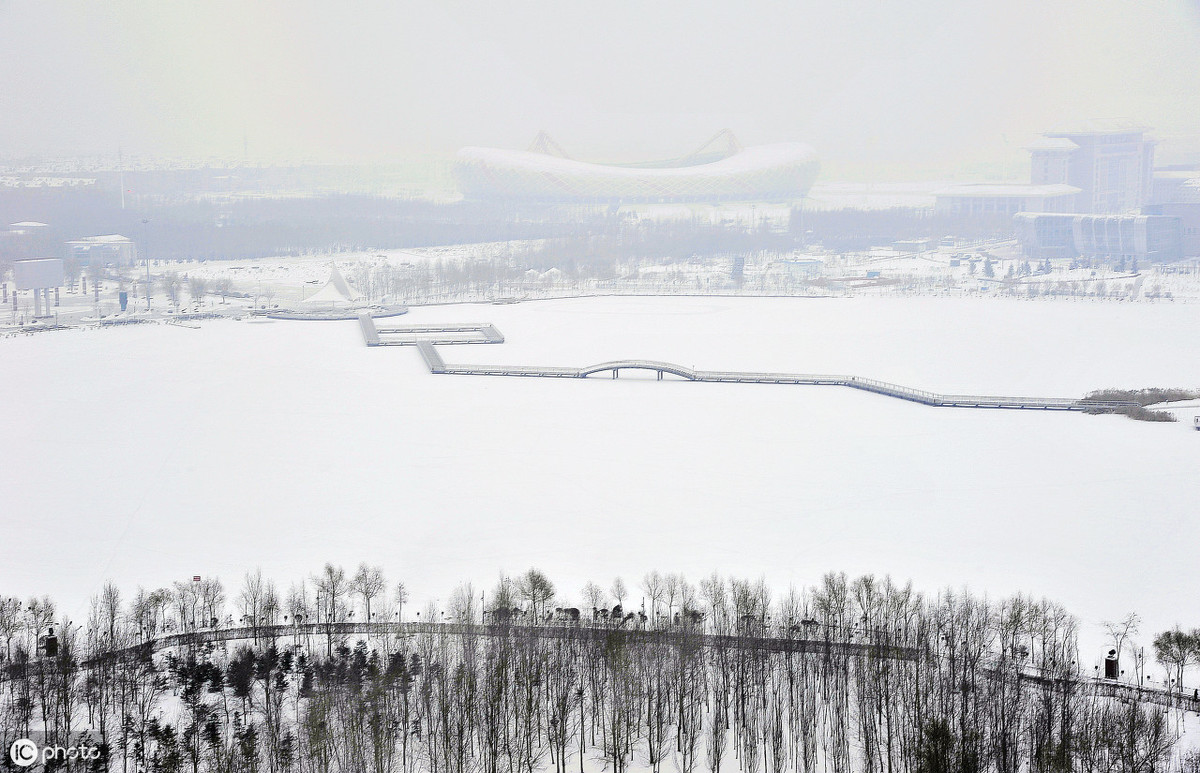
(935, 89)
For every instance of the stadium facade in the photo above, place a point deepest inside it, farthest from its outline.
(779, 172)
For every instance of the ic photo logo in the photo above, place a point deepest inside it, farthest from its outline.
(24, 753)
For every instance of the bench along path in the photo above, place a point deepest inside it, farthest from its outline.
(425, 337)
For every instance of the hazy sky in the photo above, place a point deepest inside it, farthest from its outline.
(929, 84)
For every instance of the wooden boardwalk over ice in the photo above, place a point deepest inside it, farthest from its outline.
(426, 337)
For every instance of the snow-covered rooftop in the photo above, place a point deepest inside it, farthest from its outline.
(1099, 126)
(1008, 189)
(1052, 143)
(782, 170)
(1188, 192)
(105, 239)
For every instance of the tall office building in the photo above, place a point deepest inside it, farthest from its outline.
(1111, 162)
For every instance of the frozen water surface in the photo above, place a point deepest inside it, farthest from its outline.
(154, 453)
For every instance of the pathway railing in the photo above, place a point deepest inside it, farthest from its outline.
(423, 337)
(823, 640)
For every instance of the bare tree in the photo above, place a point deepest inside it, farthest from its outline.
(1174, 649)
(1121, 631)
(368, 583)
(654, 587)
(212, 600)
(258, 601)
(672, 586)
(39, 615)
(185, 598)
(536, 588)
(10, 622)
(952, 683)
(223, 287)
(401, 596)
(332, 588)
(171, 285)
(593, 595)
(618, 591)
(110, 609)
(504, 596)
(197, 287)
(713, 592)
(463, 606)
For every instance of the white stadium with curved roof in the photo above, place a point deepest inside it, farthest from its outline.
(778, 172)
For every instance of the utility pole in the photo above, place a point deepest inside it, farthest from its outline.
(144, 246)
(121, 167)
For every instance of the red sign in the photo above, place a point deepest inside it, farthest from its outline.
(195, 578)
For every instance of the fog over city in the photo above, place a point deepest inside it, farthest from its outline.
(531, 387)
(924, 87)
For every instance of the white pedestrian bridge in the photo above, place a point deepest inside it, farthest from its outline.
(426, 337)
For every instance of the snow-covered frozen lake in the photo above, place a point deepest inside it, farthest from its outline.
(154, 453)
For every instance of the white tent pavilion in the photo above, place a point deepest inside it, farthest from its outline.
(335, 291)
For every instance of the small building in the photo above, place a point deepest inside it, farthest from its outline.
(803, 267)
(913, 245)
(27, 227)
(1046, 235)
(1003, 199)
(101, 250)
(1178, 195)
(27, 239)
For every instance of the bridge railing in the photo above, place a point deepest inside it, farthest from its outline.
(817, 639)
(490, 334)
(433, 360)
(664, 367)
(369, 331)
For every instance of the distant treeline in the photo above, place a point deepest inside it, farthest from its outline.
(216, 229)
(600, 246)
(599, 251)
(706, 676)
(223, 227)
(844, 230)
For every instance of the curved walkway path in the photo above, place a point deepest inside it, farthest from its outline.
(819, 640)
(828, 645)
(425, 337)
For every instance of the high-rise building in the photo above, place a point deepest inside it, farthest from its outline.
(1111, 162)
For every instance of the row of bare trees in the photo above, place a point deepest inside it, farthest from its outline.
(860, 675)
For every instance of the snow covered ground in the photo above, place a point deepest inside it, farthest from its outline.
(153, 453)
